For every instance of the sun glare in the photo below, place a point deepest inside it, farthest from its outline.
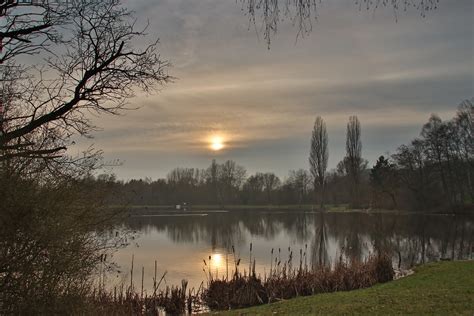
(217, 259)
(217, 143)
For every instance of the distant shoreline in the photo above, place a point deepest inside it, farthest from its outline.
(307, 208)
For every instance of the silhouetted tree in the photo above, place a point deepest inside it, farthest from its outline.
(299, 181)
(253, 189)
(303, 12)
(434, 137)
(384, 181)
(318, 156)
(353, 162)
(271, 183)
(183, 183)
(413, 171)
(86, 61)
(231, 178)
(91, 64)
(212, 181)
(464, 121)
(437, 167)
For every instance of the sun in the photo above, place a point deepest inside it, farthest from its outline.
(217, 143)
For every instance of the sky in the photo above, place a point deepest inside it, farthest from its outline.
(392, 72)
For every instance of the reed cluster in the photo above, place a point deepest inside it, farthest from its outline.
(174, 300)
(287, 281)
(131, 300)
(244, 287)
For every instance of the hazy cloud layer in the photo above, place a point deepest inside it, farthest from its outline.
(392, 74)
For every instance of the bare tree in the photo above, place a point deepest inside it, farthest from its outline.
(31, 30)
(433, 134)
(271, 182)
(318, 156)
(413, 172)
(231, 178)
(353, 162)
(91, 65)
(384, 181)
(253, 189)
(464, 122)
(302, 13)
(212, 181)
(300, 181)
(436, 168)
(60, 63)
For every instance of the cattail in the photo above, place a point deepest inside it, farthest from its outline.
(143, 276)
(250, 260)
(271, 262)
(154, 281)
(131, 275)
(226, 266)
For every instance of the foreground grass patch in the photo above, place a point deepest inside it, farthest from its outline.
(443, 288)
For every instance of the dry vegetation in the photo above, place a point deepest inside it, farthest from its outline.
(244, 289)
(285, 281)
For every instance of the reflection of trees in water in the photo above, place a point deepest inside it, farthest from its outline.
(260, 225)
(458, 238)
(319, 244)
(383, 233)
(302, 227)
(466, 240)
(411, 239)
(217, 231)
(422, 238)
(297, 226)
(420, 247)
(226, 229)
(352, 236)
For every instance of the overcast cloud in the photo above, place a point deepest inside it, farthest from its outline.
(391, 74)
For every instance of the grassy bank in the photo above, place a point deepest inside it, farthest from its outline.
(443, 288)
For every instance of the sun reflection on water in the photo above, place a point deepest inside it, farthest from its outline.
(218, 265)
(217, 260)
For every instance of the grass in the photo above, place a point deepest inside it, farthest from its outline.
(442, 288)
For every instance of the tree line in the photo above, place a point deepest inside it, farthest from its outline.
(433, 171)
(436, 168)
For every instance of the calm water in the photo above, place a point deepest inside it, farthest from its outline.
(180, 241)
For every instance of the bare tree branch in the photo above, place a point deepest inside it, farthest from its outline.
(96, 67)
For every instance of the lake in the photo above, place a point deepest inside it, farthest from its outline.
(179, 242)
